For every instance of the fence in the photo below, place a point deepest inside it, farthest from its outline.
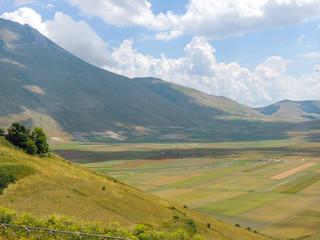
(17, 232)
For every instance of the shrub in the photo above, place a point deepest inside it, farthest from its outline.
(103, 188)
(192, 225)
(6, 215)
(199, 237)
(179, 235)
(140, 228)
(5, 180)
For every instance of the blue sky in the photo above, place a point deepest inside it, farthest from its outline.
(254, 52)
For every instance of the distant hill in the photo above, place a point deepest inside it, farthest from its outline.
(293, 110)
(44, 85)
(48, 186)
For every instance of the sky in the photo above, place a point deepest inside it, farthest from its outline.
(256, 52)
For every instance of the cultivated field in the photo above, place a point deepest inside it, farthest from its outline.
(272, 187)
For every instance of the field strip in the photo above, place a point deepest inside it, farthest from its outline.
(293, 171)
(165, 180)
(173, 192)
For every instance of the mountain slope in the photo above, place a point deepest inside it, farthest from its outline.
(42, 84)
(293, 110)
(43, 78)
(195, 100)
(55, 186)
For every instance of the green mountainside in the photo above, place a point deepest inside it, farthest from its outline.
(44, 85)
(52, 185)
(196, 101)
(293, 110)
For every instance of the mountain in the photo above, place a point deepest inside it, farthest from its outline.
(52, 185)
(43, 85)
(293, 110)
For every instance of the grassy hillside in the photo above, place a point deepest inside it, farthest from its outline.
(56, 186)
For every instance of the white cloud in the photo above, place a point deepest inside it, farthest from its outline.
(24, 15)
(126, 13)
(311, 55)
(268, 83)
(23, 2)
(76, 37)
(210, 18)
(301, 37)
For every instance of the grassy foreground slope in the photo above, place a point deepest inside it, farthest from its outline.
(56, 186)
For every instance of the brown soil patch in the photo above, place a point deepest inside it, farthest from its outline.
(293, 171)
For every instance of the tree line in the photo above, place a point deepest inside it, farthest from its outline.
(32, 142)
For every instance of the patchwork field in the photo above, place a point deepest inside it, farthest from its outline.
(272, 187)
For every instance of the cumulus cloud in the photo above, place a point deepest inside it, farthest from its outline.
(268, 83)
(210, 18)
(126, 13)
(76, 37)
(24, 15)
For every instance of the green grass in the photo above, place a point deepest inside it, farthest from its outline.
(262, 166)
(298, 184)
(240, 204)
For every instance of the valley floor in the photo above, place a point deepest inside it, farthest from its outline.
(272, 187)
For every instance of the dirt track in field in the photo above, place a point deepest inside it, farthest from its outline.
(293, 171)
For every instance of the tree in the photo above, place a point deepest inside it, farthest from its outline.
(31, 147)
(2, 131)
(18, 135)
(40, 140)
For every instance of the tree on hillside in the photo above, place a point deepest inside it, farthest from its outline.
(31, 147)
(40, 140)
(18, 135)
(2, 131)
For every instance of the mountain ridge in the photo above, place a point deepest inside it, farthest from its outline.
(44, 85)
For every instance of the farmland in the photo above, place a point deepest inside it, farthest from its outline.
(267, 186)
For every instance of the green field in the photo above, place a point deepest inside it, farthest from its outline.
(268, 186)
